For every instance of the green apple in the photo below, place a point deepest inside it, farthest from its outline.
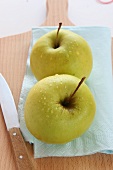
(62, 52)
(58, 110)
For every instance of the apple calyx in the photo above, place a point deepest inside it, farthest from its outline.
(56, 42)
(68, 102)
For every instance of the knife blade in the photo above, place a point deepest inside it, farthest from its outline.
(12, 123)
(11, 119)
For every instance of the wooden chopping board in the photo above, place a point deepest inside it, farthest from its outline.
(13, 56)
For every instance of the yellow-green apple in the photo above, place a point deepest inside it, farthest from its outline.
(59, 109)
(61, 52)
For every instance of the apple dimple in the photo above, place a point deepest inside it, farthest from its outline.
(68, 105)
(56, 45)
(69, 102)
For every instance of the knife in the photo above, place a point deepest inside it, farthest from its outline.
(12, 123)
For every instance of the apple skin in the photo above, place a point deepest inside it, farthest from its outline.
(48, 120)
(73, 56)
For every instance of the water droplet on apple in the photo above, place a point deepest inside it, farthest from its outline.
(44, 103)
(34, 89)
(41, 56)
(47, 116)
(70, 51)
(44, 98)
(77, 53)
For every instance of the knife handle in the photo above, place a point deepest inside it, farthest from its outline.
(20, 150)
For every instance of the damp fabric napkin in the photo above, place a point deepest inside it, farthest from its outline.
(99, 137)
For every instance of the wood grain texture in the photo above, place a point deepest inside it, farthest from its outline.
(13, 56)
(57, 11)
(22, 158)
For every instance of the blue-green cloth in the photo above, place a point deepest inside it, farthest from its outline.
(99, 137)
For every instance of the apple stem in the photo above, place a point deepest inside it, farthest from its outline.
(67, 101)
(79, 84)
(56, 44)
(60, 24)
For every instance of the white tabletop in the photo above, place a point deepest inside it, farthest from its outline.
(17, 16)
